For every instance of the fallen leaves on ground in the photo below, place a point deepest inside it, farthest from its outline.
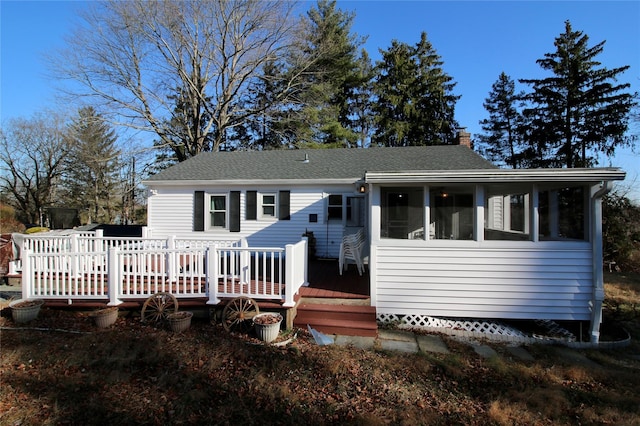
(133, 373)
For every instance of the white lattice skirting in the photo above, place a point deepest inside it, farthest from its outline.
(487, 329)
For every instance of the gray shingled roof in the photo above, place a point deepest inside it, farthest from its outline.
(323, 164)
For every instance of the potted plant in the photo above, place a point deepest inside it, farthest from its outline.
(267, 326)
(180, 321)
(105, 317)
(25, 310)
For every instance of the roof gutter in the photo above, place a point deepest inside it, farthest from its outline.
(250, 182)
(497, 175)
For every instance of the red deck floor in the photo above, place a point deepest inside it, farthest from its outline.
(325, 281)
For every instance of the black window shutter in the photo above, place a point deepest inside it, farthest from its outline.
(234, 211)
(252, 205)
(283, 205)
(198, 211)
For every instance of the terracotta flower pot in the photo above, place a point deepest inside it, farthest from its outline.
(267, 326)
(25, 310)
(180, 321)
(105, 317)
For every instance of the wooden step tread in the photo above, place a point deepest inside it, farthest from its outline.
(331, 294)
(319, 307)
(312, 317)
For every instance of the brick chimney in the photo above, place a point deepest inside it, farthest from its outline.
(463, 137)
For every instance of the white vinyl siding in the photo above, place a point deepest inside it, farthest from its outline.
(170, 212)
(491, 280)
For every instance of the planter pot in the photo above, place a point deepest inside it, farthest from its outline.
(180, 321)
(25, 310)
(267, 326)
(105, 317)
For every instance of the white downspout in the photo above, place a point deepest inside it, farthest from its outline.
(597, 192)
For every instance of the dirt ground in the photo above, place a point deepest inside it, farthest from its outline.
(61, 369)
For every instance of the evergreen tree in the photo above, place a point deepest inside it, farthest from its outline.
(579, 111)
(272, 128)
(361, 102)
(91, 180)
(414, 97)
(332, 75)
(502, 142)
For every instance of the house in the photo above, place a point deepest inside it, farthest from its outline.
(449, 234)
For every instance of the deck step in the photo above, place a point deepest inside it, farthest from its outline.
(346, 320)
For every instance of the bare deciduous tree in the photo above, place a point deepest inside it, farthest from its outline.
(32, 150)
(182, 70)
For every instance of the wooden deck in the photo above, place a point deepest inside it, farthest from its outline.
(332, 303)
(323, 276)
(325, 281)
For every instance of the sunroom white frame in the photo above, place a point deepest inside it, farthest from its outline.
(497, 278)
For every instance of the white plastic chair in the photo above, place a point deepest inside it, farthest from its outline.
(351, 251)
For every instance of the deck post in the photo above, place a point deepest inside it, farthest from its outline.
(75, 261)
(172, 264)
(244, 261)
(27, 276)
(99, 238)
(114, 278)
(211, 276)
(290, 265)
(306, 261)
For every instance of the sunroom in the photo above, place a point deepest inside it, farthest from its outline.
(501, 244)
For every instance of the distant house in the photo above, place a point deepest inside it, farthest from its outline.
(448, 233)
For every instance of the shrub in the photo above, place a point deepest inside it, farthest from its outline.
(620, 231)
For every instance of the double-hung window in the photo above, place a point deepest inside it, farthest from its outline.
(334, 208)
(268, 203)
(218, 211)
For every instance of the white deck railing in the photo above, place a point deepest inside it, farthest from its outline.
(64, 275)
(95, 241)
(120, 269)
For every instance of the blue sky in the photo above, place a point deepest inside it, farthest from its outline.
(477, 40)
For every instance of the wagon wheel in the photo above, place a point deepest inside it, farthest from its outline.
(238, 314)
(158, 306)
